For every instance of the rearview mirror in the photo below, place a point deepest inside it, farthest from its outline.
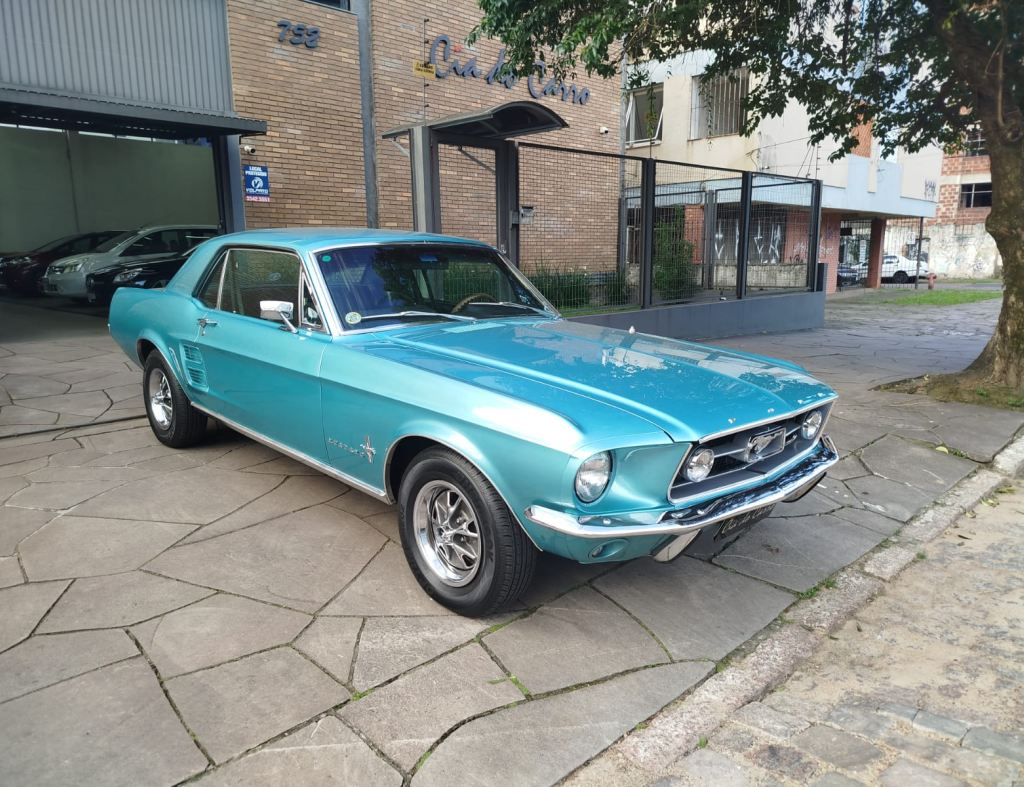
(278, 311)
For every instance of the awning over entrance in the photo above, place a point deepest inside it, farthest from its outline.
(514, 119)
(29, 108)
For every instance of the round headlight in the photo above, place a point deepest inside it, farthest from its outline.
(812, 425)
(593, 476)
(698, 466)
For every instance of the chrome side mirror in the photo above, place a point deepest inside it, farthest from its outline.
(279, 311)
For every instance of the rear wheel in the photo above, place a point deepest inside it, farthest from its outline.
(462, 543)
(174, 421)
(900, 277)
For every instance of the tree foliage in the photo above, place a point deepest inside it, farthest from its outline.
(918, 71)
(887, 62)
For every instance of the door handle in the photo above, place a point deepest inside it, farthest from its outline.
(203, 324)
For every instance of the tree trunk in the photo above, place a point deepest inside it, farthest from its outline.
(1002, 360)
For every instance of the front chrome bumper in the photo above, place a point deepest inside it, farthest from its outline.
(790, 485)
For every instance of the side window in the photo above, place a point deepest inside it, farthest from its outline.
(311, 316)
(255, 275)
(208, 294)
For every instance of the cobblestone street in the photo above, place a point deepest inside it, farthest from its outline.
(921, 687)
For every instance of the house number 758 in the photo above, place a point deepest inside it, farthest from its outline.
(299, 34)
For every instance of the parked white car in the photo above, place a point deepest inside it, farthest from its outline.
(895, 268)
(66, 277)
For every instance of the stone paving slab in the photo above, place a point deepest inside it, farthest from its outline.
(76, 732)
(698, 611)
(300, 560)
(580, 637)
(540, 742)
(238, 705)
(217, 629)
(78, 546)
(325, 752)
(42, 661)
(404, 718)
(798, 553)
(118, 600)
(23, 607)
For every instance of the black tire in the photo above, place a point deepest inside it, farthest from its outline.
(506, 556)
(185, 425)
(900, 277)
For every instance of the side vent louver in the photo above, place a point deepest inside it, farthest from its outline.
(194, 367)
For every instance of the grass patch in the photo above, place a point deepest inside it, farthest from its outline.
(945, 297)
(918, 297)
(921, 555)
(702, 742)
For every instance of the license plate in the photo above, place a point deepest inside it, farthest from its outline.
(761, 446)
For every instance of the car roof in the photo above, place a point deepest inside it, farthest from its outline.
(315, 238)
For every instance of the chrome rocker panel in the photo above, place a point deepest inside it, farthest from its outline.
(791, 485)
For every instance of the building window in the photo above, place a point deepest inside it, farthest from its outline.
(643, 114)
(974, 145)
(716, 105)
(342, 5)
(976, 195)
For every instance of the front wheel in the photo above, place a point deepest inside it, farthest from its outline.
(900, 277)
(174, 421)
(461, 542)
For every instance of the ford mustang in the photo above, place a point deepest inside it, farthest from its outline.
(428, 371)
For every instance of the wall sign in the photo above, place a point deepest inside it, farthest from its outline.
(538, 83)
(257, 183)
(299, 33)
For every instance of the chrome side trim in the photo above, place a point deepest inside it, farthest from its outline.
(799, 479)
(316, 464)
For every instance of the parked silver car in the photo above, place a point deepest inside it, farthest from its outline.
(66, 277)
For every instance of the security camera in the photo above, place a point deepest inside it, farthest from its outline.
(603, 130)
(249, 149)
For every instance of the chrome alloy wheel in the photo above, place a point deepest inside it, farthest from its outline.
(158, 389)
(447, 533)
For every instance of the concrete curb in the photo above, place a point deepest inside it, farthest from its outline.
(638, 758)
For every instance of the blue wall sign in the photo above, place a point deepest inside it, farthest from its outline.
(538, 83)
(257, 183)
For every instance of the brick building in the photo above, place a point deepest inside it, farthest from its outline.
(311, 101)
(959, 245)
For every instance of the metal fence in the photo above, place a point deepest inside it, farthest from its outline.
(905, 254)
(905, 249)
(600, 231)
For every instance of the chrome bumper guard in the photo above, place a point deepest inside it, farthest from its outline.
(791, 485)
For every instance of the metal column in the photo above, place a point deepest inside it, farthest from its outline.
(813, 243)
(426, 190)
(743, 252)
(227, 170)
(647, 182)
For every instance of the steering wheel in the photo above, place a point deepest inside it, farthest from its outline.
(468, 300)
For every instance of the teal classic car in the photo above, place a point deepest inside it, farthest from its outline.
(428, 371)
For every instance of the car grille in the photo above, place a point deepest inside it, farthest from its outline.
(733, 466)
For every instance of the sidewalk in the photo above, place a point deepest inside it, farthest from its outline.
(256, 621)
(924, 686)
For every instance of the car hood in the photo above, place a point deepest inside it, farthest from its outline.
(687, 390)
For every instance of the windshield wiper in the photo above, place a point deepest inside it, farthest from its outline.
(394, 315)
(535, 309)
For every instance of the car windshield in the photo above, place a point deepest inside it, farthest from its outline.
(54, 244)
(405, 283)
(114, 242)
